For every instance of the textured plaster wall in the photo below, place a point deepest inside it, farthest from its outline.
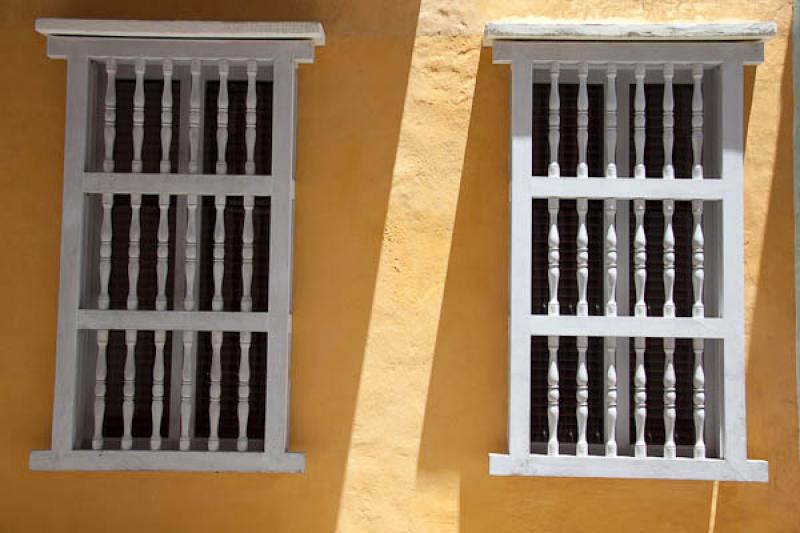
(399, 364)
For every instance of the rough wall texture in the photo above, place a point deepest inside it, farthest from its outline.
(399, 364)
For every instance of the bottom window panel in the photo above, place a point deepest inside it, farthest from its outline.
(638, 397)
(200, 390)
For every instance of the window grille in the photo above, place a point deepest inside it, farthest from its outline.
(626, 344)
(175, 311)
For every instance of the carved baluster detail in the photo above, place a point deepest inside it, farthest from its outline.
(166, 118)
(136, 198)
(194, 119)
(220, 200)
(611, 396)
(611, 120)
(190, 267)
(191, 251)
(128, 388)
(640, 398)
(669, 259)
(698, 259)
(553, 257)
(215, 391)
(138, 115)
(552, 395)
(133, 252)
(554, 121)
(162, 251)
(100, 389)
(669, 121)
(157, 408)
(244, 389)
(611, 257)
(639, 121)
(250, 117)
(697, 122)
(222, 117)
(582, 243)
(582, 397)
(110, 117)
(187, 386)
(250, 168)
(669, 398)
(583, 120)
(699, 399)
(639, 259)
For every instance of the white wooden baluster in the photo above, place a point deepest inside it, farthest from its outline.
(699, 400)
(611, 257)
(611, 120)
(100, 389)
(191, 199)
(669, 398)
(639, 259)
(110, 118)
(582, 243)
(247, 259)
(697, 121)
(611, 396)
(552, 395)
(583, 120)
(582, 203)
(219, 200)
(215, 391)
(698, 311)
(669, 121)
(128, 388)
(157, 409)
(136, 198)
(244, 389)
(640, 398)
(187, 367)
(639, 121)
(163, 199)
(554, 121)
(610, 207)
(187, 379)
(250, 168)
(582, 397)
(669, 259)
(103, 300)
(162, 254)
(553, 256)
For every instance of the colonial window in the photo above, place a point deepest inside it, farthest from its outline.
(175, 302)
(626, 335)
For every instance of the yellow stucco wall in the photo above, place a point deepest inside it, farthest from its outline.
(399, 364)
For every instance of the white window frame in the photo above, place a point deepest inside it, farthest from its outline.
(282, 46)
(530, 48)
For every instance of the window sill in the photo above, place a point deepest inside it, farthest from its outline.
(175, 461)
(627, 467)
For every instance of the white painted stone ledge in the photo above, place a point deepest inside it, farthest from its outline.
(628, 467)
(182, 29)
(573, 31)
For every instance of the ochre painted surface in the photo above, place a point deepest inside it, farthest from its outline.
(399, 364)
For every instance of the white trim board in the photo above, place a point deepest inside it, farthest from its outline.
(572, 31)
(182, 29)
